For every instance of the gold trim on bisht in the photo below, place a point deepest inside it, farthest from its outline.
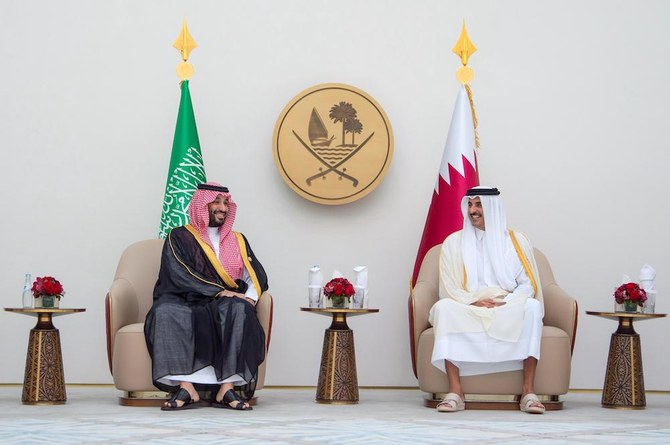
(464, 48)
(211, 256)
(246, 259)
(185, 44)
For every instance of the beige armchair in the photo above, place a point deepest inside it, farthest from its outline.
(126, 305)
(500, 390)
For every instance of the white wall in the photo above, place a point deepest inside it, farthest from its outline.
(571, 98)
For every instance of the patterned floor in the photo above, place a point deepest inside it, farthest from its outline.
(290, 416)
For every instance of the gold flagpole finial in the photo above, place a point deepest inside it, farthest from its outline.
(464, 48)
(185, 44)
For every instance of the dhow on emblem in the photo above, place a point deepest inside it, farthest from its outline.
(338, 159)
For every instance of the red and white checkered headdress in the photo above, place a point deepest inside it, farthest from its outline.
(229, 250)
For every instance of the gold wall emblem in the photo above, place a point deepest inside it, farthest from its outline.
(333, 144)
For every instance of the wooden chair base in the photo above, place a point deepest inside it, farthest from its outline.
(494, 402)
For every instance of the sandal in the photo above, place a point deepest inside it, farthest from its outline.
(183, 396)
(530, 403)
(229, 397)
(452, 402)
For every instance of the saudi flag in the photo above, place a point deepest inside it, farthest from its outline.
(186, 167)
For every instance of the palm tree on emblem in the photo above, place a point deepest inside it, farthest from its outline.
(342, 112)
(353, 126)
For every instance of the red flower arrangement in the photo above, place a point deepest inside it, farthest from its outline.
(339, 287)
(47, 286)
(630, 292)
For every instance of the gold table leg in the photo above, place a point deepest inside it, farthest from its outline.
(338, 382)
(44, 383)
(624, 379)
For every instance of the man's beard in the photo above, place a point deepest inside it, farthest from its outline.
(478, 221)
(213, 222)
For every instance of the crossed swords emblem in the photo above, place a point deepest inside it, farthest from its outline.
(332, 168)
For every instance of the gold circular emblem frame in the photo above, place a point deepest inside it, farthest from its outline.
(333, 144)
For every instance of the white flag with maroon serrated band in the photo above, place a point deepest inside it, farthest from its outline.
(458, 173)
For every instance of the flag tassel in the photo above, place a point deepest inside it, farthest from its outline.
(474, 114)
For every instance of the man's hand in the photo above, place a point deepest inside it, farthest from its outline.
(488, 303)
(230, 293)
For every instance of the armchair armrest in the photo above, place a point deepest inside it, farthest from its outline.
(264, 312)
(421, 298)
(121, 309)
(560, 311)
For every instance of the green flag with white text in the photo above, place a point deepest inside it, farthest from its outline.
(186, 167)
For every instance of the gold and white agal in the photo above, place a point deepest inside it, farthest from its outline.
(333, 144)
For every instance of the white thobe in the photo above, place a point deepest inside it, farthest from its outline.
(481, 340)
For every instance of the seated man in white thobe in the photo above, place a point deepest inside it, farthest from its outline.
(489, 315)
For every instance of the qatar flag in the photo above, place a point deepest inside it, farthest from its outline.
(458, 173)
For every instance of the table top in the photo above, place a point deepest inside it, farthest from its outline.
(44, 310)
(332, 310)
(617, 315)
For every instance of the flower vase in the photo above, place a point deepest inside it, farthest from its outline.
(630, 306)
(47, 301)
(338, 301)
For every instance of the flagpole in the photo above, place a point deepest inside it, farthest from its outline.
(458, 172)
(464, 48)
(186, 169)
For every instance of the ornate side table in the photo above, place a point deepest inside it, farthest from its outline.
(624, 379)
(338, 381)
(44, 383)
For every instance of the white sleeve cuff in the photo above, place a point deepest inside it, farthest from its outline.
(251, 289)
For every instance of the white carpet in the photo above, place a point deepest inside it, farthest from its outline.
(290, 416)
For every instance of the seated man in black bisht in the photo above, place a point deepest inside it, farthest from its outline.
(202, 331)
